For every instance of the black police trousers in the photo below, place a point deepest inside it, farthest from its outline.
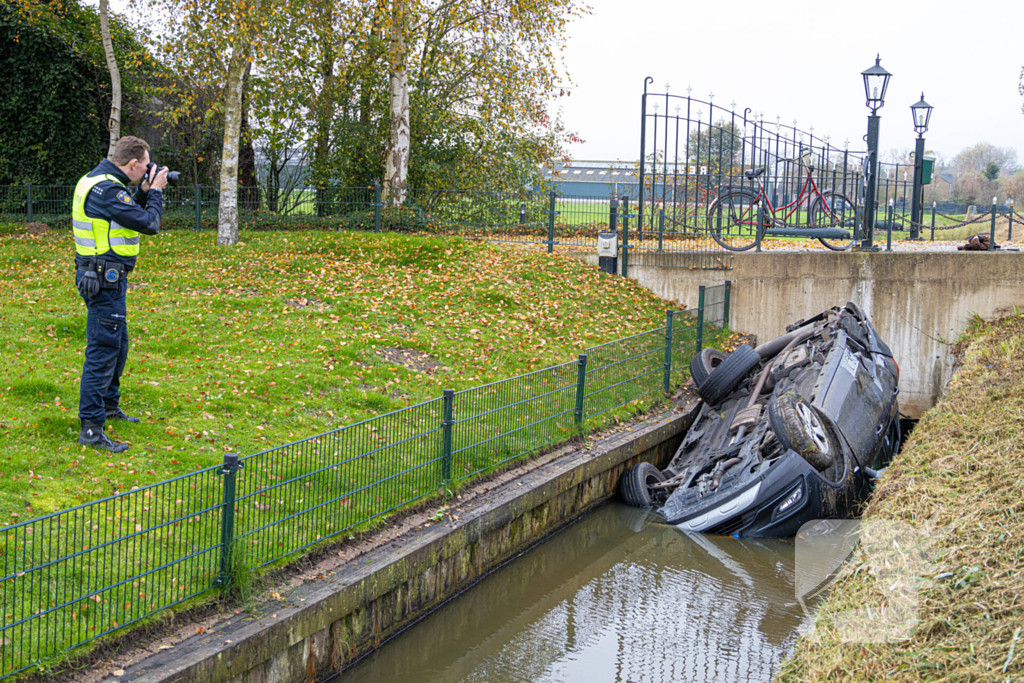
(106, 335)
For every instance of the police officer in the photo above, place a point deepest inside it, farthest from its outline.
(107, 221)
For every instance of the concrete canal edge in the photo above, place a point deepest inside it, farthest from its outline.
(326, 623)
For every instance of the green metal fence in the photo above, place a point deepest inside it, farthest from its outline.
(544, 220)
(78, 574)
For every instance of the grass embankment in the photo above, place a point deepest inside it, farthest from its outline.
(963, 468)
(281, 337)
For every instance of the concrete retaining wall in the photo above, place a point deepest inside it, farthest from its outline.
(325, 624)
(918, 302)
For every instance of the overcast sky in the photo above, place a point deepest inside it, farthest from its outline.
(802, 60)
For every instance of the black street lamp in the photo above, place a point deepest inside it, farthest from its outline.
(876, 82)
(922, 112)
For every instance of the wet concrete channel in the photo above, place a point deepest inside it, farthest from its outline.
(610, 598)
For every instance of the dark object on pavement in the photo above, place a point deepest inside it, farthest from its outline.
(979, 242)
(787, 432)
(92, 435)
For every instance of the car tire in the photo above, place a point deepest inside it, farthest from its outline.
(636, 484)
(703, 364)
(729, 374)
(798, 426)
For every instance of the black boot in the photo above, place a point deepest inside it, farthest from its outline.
(118, 414)
(92, 435)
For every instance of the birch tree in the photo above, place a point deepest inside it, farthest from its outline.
(114, 122)
(211, 46)
(396, 173)
(227, 214)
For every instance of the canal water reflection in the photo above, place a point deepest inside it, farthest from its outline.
(610, 599)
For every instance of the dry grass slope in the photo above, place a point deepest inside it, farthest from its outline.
(962, 467)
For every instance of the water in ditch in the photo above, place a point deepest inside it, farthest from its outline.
(610, 599)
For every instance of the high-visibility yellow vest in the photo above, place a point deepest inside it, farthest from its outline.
(96, 236)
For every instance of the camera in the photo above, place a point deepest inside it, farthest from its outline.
(172, 176)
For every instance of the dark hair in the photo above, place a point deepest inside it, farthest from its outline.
(128, 148)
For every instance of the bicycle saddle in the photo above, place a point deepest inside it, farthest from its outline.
(754, 172)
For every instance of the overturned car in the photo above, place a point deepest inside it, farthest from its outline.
(788, 432)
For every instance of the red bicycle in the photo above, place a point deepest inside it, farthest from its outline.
(732, 215)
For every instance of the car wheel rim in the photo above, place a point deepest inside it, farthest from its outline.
(813, 426)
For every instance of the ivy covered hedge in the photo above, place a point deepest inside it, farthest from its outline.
(55, 100)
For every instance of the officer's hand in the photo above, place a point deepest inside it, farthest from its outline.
(146, 179)
(89, 285)
(160, 182)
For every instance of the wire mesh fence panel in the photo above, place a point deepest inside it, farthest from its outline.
(39, 203)
(623, 371)
(51, 203)
(75, 575)
(714, 305)
(686, 337)
(505, 420)
(294, 496)
(579, 220)
(13, 203)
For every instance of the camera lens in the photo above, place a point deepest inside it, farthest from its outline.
(172, 177)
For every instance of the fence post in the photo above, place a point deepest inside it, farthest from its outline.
(376, 206)
(625, 236)
(757, 228)
(448, 402)
(227, 524)
(700, 319)
(1009, 236)
(668, 350)
(888, 231)
(661, 229)
(933, 222)
(522, 215)
(199, 207)
(992, 231)
(29, 205)
(551, 223)
(581, 383)
(725, 307)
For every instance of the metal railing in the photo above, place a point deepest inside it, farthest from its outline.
(704, 167)
(75, 575)
(537, 219)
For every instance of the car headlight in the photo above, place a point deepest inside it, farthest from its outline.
(790, 501)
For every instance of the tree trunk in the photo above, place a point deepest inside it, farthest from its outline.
(397, 172)
(248, 184)
(227, 217)
(325, 109)
(114, 122)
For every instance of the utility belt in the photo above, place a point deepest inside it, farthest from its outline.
(110, 272)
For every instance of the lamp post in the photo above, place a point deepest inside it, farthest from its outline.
(922, 112)
(876, 81)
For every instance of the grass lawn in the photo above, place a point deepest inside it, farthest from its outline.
(284, 336)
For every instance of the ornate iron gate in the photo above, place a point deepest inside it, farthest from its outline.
(709, 174)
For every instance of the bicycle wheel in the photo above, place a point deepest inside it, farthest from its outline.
(834, 210)
(732, 219)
